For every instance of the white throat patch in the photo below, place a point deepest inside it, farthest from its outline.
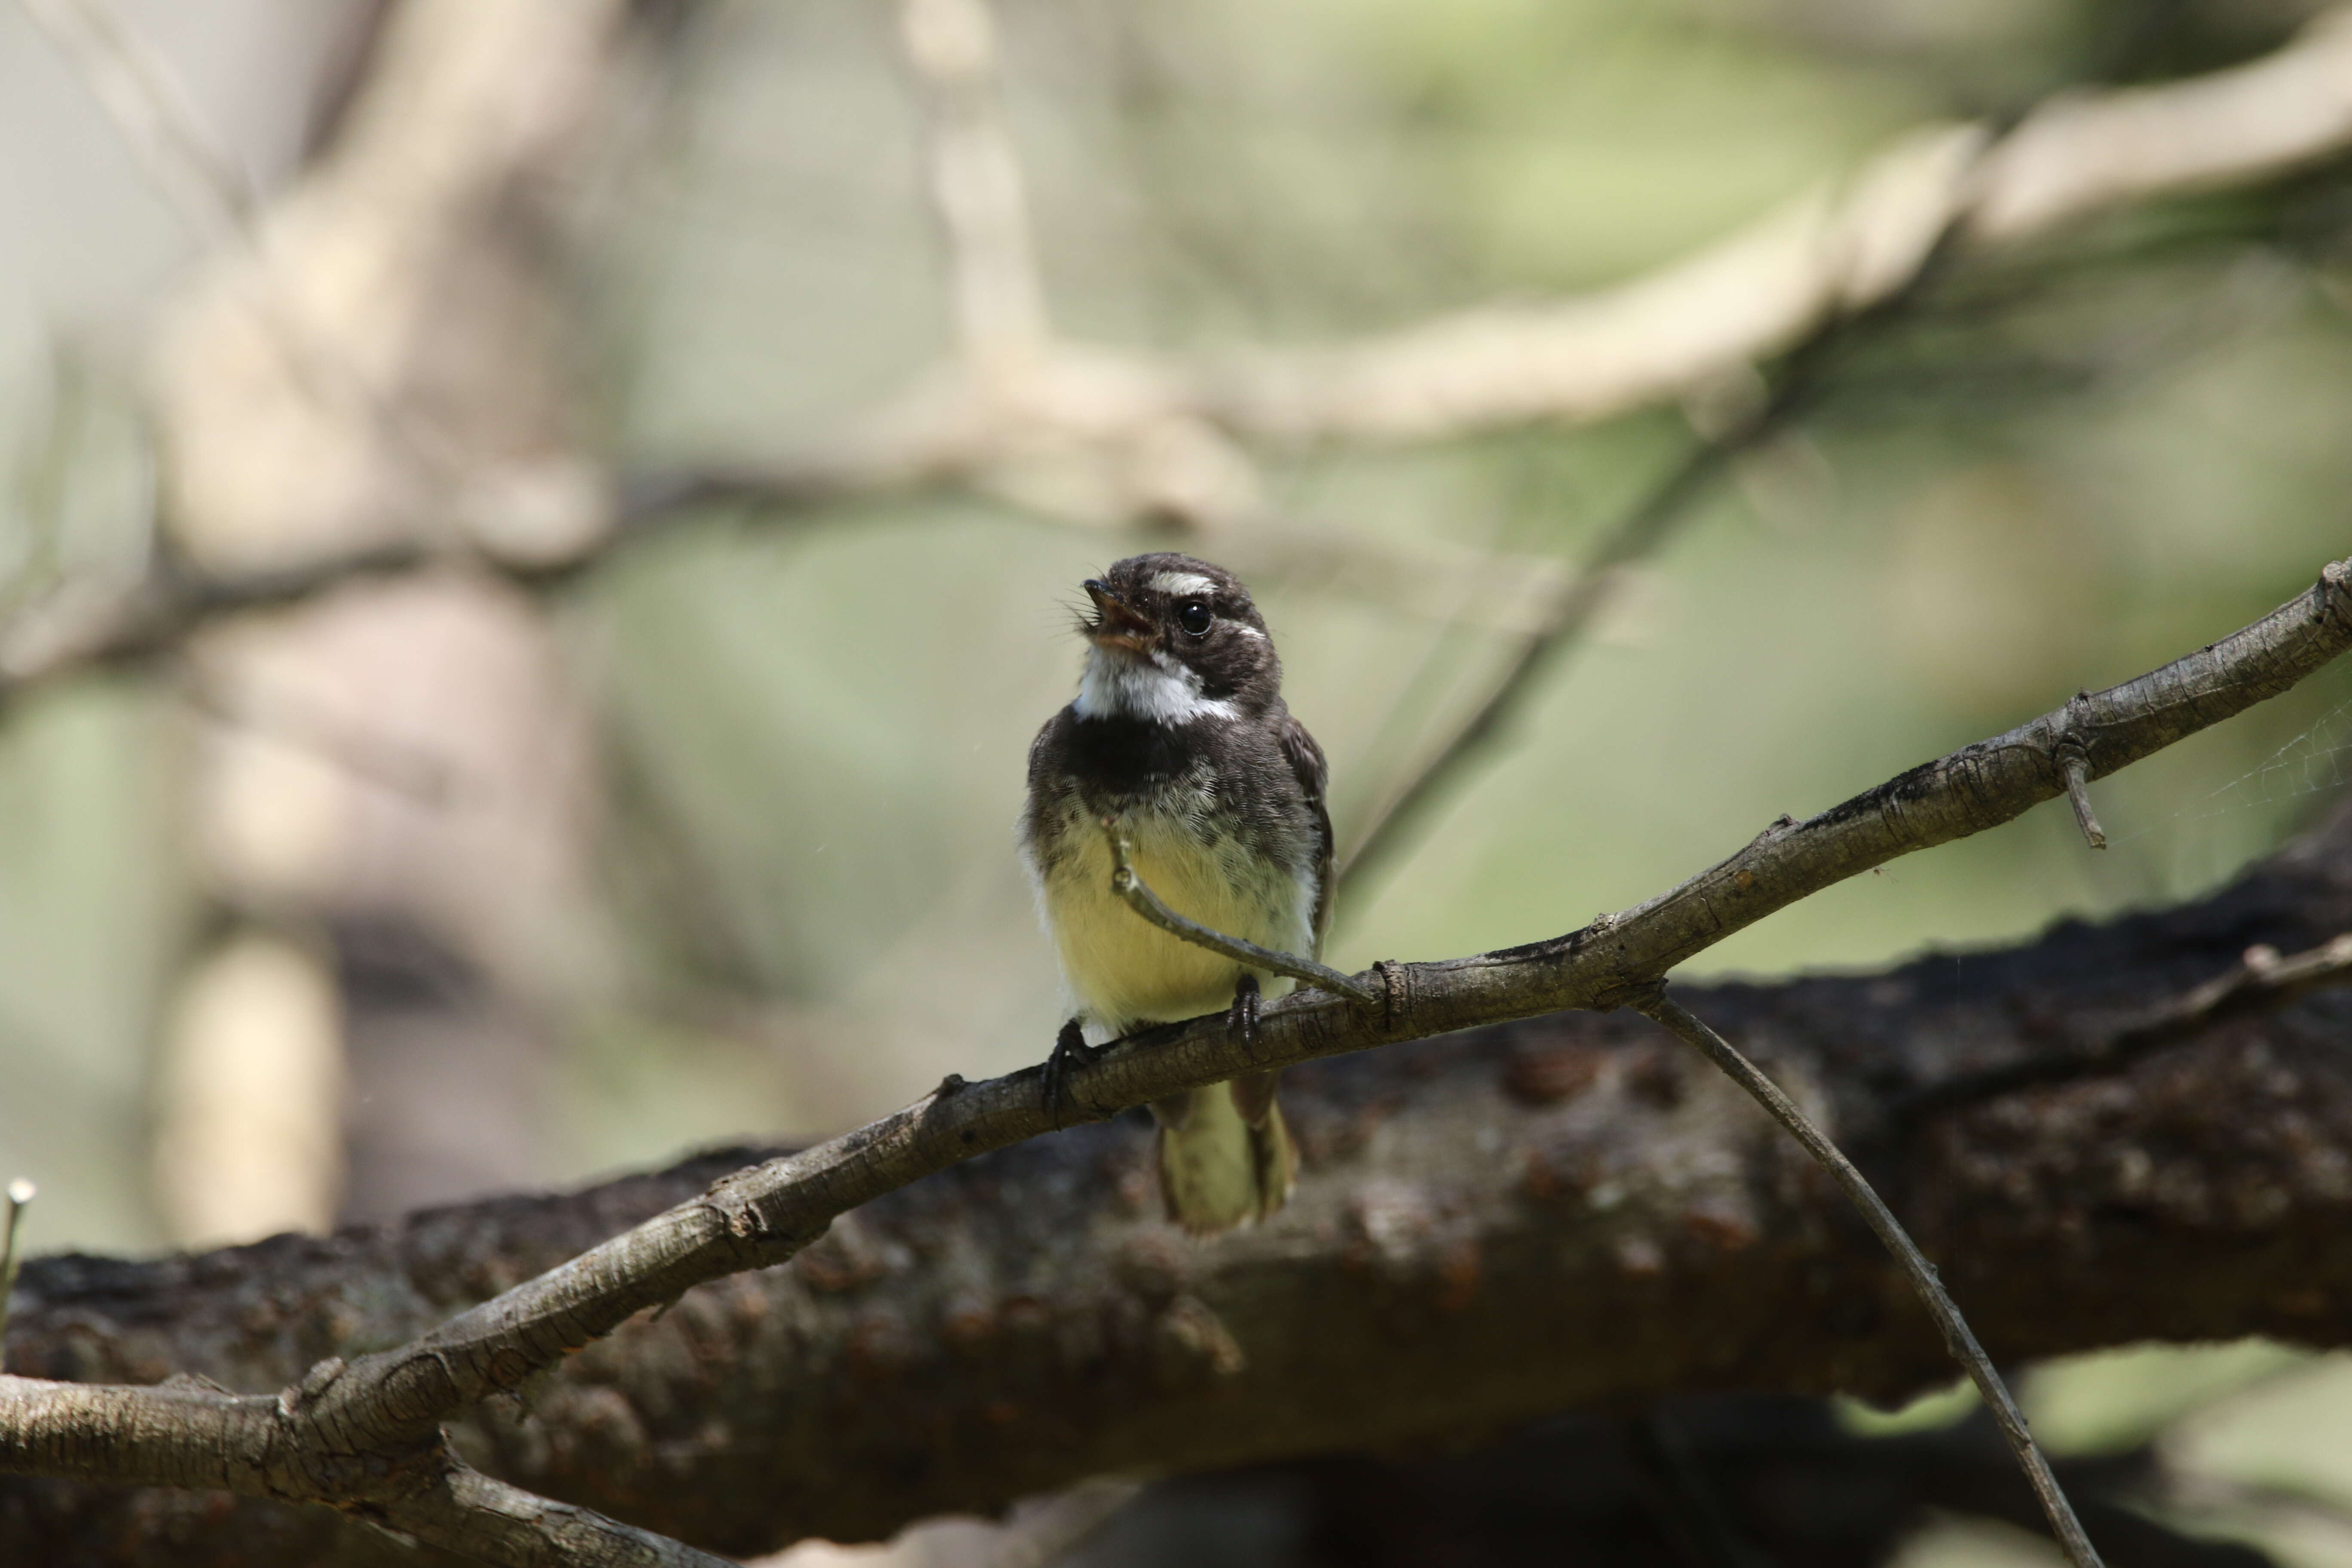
(1162, 691)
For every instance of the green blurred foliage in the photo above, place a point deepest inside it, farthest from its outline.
(92, 893)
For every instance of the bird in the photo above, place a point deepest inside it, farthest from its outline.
(1179, 739)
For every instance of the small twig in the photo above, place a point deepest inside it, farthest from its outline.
(1145, 903)
(2076, 763)
(20, 1192)
(1582, 598)
(2078, 796)
(2261, 981)
(1958, 1337)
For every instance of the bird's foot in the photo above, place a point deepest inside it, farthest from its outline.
(1241, 1018)
(1070, 1051)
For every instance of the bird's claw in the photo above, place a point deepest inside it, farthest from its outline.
(1241, 1018)
(1070, 1050)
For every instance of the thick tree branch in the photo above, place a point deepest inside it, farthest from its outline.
(391, 1404)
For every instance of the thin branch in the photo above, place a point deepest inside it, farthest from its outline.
(2260, 982)
(1958, 1337)
(1147, 903)
(475, 1515)
(2078, 796)
(1387, 826)
(2077, 767)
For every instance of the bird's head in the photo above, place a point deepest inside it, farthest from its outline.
(1174, 639)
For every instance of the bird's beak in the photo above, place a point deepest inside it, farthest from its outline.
(1115, 624)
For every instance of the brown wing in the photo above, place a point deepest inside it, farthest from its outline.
(1307, 763)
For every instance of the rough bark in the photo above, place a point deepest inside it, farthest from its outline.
(1565, 1212)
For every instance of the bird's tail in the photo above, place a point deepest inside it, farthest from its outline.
(1225, 1154)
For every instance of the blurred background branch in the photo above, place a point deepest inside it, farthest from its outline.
(1103, 436)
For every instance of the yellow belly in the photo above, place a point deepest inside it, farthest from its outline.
(1123, 969)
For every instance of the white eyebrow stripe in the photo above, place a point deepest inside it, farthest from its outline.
(1174, 583)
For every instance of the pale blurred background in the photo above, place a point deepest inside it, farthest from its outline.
(441, 886)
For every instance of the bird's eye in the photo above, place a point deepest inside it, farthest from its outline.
(1193, 615)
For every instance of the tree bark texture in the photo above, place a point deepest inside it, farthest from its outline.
(1572, 1211)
